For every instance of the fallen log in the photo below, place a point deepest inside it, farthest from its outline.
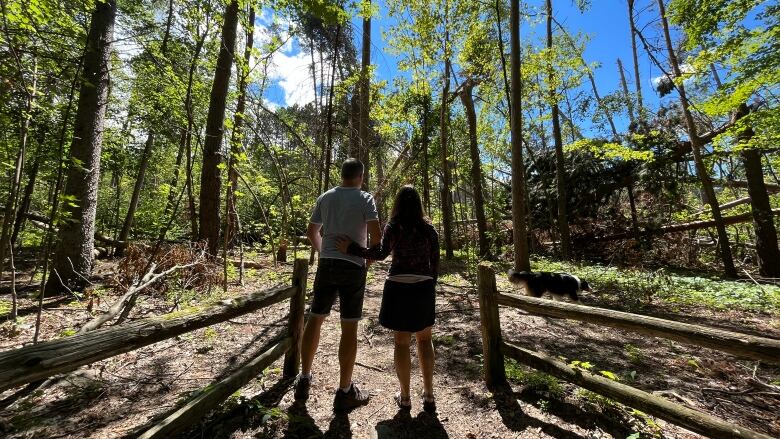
(194, 410)
(743, 184)
(36, 362)
(729, 205)
(688, 418)
(693, 225)
(735, 343)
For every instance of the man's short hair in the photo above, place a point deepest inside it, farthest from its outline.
(351, 168)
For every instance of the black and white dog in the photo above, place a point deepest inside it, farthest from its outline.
(559, 285)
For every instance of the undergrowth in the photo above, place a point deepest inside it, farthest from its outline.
(636, 287)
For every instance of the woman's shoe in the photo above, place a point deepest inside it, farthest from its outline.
(403, 403)
(429, 404)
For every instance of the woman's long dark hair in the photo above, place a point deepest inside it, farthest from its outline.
(407, 208)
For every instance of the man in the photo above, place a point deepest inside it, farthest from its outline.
(343, 210)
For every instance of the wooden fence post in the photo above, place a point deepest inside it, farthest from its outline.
(491, 327)
(292, 359)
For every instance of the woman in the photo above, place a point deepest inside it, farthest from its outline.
(409, 295)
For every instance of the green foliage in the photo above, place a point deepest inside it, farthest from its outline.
(635, 286)
(535, 381)
(608, 150)
(67, 332)
(633, 353)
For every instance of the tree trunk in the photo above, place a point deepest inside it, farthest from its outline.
(210, 180)
(237, 136)
(446, 192)
(632, 205)
(560, 169)
(701, 170)
(188, 182)
(626, 94)
(185, 136)
(514, 95)
(73, 257)
(24, 206)
(766, 234)
(139, 184)
(637, 81)
(425, 140)
(365, 100)
(476, 168)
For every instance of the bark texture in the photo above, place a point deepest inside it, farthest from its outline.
(210, 179)
(73, 257)
(519, 235)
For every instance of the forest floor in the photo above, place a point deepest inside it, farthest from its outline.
(121, 396)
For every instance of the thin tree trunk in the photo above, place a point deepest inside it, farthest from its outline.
(210, 180)
(9, 216)
(637, 81)
(189, 183)
(328, 149)
(626, 94)
(168, 23)
(632, 205)
(185, 137)
(519, 234)
(14, 298)
(73, 257)
(446, 192)
(761, 209)
(701, 170)
(425, 165)
(237, 136)
(24, 206)
(139, 184)
(365, 100)
(560, 169)
(476, 168)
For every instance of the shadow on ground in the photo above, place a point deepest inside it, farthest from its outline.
(403, 425)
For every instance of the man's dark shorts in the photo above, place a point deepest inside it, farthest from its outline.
(337, 277)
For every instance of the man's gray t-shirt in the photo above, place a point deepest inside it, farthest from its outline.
(343, 211)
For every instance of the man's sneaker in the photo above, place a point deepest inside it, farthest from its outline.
(345, 401)
(302, 386)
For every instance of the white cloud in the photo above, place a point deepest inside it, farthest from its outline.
(290, 66)
(293, 74)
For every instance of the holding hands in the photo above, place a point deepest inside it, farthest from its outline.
(342, 243)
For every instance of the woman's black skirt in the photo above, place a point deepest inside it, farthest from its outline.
(408, 307)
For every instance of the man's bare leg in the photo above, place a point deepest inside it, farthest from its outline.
(347, 352)
(310, 341)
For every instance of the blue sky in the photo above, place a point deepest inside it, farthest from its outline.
(605, 22)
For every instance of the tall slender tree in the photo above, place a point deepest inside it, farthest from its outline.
(237, 135)
(696, 147)
(73, 257)
(364, 130)
(210, 180)
(560, 166)
(467, 98)
(519, 236)
(444, 119)
(637, 80)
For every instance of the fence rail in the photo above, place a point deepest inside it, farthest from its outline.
(37, 362)
(741, 345)
(494, 349)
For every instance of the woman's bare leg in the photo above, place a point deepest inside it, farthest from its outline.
(425, 354)
(403, 360)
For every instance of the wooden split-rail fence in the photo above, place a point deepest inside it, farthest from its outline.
(34, 363)
(495, 348)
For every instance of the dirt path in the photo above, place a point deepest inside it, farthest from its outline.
(123, 395)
